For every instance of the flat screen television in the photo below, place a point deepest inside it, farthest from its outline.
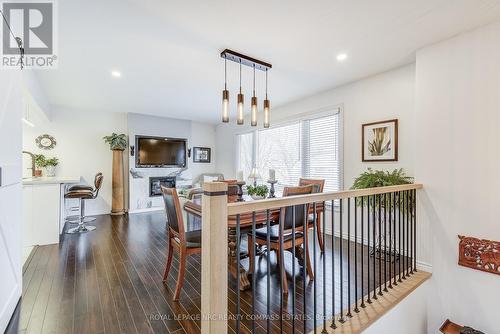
(155, 152)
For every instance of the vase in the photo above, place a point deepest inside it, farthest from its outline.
(50, 171)
(256, 197)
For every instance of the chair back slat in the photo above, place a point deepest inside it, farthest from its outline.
(173, 211)
(287, 213)
(318, 184)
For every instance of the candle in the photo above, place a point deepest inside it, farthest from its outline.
(272, 175)
(239, 176)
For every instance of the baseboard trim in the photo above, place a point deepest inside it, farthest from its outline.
(146, 210)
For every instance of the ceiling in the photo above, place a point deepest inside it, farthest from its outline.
(169, 51)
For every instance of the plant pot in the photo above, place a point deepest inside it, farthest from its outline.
(256, 197)
(38, 172)
(50, 171)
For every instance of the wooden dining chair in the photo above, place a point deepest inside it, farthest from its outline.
(318, 185)
(282, 233)
(180, 241)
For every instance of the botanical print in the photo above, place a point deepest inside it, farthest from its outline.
(380, 141)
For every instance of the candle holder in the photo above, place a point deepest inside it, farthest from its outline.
(240, 185)
(271, 191)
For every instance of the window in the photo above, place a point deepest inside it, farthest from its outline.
(303, 148)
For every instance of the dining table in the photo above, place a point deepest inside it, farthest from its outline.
(194, 207)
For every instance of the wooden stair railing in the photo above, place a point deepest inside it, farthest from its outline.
(368, 265)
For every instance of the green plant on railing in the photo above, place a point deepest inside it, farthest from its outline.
(378, 178)
(260, 191)
(116, 141)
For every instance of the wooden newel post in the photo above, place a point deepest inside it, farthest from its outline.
(214, 257)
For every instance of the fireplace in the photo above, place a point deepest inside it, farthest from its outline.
(156, 182)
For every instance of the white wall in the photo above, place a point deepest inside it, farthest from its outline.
(11, 107)
(457, 159)
(385, 96)
(80, 147)
(409, 316)
(197, 134)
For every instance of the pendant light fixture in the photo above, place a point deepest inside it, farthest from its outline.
(267, 105)
(256, 65)
(240, 118)
(254, 102)
(225, 96)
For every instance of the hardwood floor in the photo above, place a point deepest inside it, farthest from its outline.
(110, 281)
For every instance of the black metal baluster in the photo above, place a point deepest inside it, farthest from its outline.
(356, 309)
(368, 300)
(304, 274)
(400, 257)
(293, 269)
(314, 266)
(374, 207)
(405, 215)
(385, 243)
(268, 260)
(333, 325)
(349, 258)
(407, 231)
(380, 283)
(281, 276)
(391, 201)
(363, 255)
(410, 229)
(254, 278)
(238, 259)
(395, 239)
(341, 319)
(415, 230)
(324, 268)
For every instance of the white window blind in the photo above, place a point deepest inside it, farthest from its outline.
(306, 148)
(279, 148)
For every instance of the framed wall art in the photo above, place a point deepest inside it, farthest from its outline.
(379, 141)
(201, 154)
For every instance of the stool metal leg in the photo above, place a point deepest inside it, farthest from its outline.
(81, 228)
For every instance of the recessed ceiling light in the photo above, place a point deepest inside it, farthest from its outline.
(116, 74)
(341, 56)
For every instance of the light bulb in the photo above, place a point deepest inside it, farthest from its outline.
(225, 106)
(254, 111)
(240, 119)
(267, 105)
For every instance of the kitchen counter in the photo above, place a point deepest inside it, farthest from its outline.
(45, 208)
(50, 180)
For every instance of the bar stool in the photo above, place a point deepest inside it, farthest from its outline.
(75, 219)
(84, 195)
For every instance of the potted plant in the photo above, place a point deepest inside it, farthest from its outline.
(378, 178)
(50, 166)
(117, 143)
(257, 192)
(40, 162)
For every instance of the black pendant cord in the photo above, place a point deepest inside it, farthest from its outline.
(225, 73)
(266, 83)
(18, 40)
(240, 76)
(254, 80)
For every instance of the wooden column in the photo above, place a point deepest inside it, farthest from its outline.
(118, 200)
(214, 259)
